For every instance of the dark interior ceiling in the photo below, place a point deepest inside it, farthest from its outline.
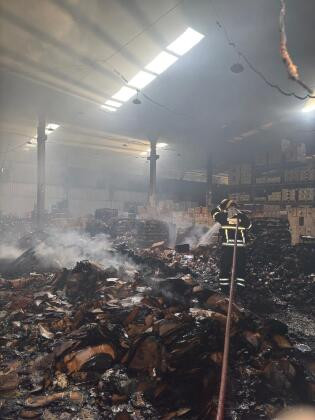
(64, 55)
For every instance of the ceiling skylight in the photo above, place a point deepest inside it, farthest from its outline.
(109, 108)
(124, 94)
(161, 145)
(157, 66)
(141, 79)
(185, 42)
(161, 62)
(115, 104)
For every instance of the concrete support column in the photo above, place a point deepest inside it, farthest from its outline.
(41, 181)
(152, 188)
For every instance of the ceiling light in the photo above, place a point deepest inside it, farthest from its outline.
(161, 145)
(109, 108)
(124, 94)
(141, 79)
(136, 101)
(115, 104)
(52, 127)
(161, 62)
(185, 42)
(31, 143)
(308, 108)
(237, 68)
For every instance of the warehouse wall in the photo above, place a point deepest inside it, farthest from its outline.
(20, 198)
(90, 179)
(18, 193)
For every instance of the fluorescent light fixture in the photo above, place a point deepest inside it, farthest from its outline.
(185, 42)
(161, 145)
(141, 79)
(109, 108)
(308, 108)
(31, 143)
(161, 62)
(115, 104)
(52, 127)
(124, 94)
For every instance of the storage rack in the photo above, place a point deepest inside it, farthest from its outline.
(255, 190)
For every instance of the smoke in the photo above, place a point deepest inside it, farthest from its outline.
(9, 252)
(63, 249)
(193, 235)
(66, 248)
(209, 237)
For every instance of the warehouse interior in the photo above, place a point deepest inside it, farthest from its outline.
(157, 209)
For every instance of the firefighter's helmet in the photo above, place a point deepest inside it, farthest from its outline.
(227, 203)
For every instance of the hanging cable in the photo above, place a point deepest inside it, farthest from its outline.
(149, 98)
(240, 54)
(291, 67)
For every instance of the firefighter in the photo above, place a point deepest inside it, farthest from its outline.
(227, 214)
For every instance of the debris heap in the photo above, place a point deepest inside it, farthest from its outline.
(279, 274)
(95, 343)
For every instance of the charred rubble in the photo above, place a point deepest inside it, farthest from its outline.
(147, 343)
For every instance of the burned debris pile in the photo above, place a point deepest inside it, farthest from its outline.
(93, 343)
(279, 274)
(152, 231)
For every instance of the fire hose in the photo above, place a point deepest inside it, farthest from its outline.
(225, 362)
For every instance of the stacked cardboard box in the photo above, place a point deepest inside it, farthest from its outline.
(273, 179)
(260, 198)
(292, 175)
(306, 194)
(240, 174)
(275, 196)
(307, 173)
(271, 210)
(269, 177)
(246, 174)
(288, 194)
(302, 223)
(294, 152)
(200, 215)
(240, 197)
(261, 180)
(234, 175)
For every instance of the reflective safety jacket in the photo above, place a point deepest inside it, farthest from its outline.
(228, 227)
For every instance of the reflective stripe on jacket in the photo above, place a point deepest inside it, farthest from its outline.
(228, 227)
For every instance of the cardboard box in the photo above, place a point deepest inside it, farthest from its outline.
(302, 222)
(288, 194)
(234, 175)
(306, 194)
